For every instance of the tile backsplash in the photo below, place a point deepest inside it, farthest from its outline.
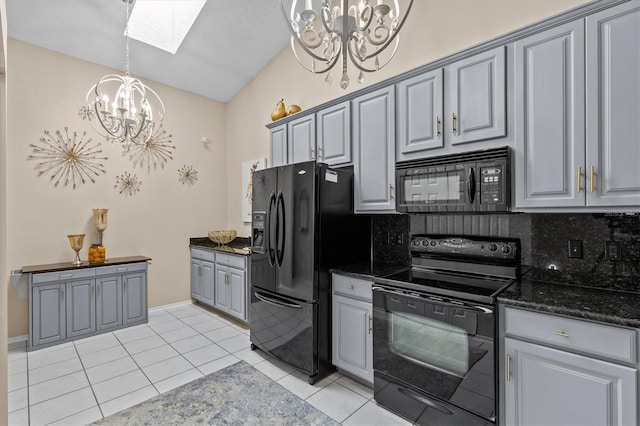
(544, 240)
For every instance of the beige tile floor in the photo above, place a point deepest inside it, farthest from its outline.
(83, 381)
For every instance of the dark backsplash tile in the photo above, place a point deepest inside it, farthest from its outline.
(544, 241)
(390, 225)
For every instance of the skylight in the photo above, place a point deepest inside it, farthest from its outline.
(163, 23)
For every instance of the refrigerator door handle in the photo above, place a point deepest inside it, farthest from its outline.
(276, 302)
(269, 237)
(280, 228)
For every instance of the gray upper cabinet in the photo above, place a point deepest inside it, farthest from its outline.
(279, 145)
(613, 106)
(301, 139)
(475, 97)
(419, 115)
(48, 314)
(557, 163)
(334, 134)
(549, 99)
(80, 299)
(374, 151)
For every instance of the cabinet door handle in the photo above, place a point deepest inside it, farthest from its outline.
(311, 153)
(593, 178)
(350, 287)
(199, 270)
(508, 368)
(579, 178)
(437, 126)
(370, 324)
(61, 296)
(320, 155)
(453, 123)
(391, 196)
(562, 334)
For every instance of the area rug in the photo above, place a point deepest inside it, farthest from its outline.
(236, 395)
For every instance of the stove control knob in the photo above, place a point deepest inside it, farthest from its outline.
(433, 243)
(416, 243)
(505, 249)
(425, 242)
(493, 247)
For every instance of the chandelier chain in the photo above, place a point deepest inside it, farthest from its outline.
(126, 41)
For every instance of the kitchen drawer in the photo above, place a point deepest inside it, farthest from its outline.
(62, 276)
(234, 261)
(601, 340)
(121, 269)
(352, 287)
(208, 255)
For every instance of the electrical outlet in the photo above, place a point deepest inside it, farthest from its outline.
(389, 238)
(399, 239)
(612, 250)
(575, 249)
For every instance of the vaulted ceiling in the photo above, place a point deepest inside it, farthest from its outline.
(229, 43)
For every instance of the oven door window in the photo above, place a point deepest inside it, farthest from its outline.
(433, 186)
(443, 350)
(429, 342)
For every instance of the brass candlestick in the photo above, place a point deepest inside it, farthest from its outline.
(76, 241)
(100, 220)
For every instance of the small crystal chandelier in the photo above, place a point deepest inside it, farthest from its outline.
(355, 29)
(130, 118)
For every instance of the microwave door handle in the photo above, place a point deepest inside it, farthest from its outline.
(471, 185)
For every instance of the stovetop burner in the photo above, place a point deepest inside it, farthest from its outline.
(470, 268)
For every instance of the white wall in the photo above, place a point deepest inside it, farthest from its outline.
(46, 91)
(3, 219)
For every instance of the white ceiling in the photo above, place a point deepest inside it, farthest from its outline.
(230, 42)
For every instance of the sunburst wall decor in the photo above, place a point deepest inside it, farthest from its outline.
(128, 184)
(70, 160)
(187, 175)
(157, 150)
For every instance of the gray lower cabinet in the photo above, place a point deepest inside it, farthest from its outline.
(78, 303)
(374, 151)
(352, 322)
(108, 302)
(231, 284)
(80, 300)
(202, 275)
(48, 314)
(578, 147)
(564, 371)
(220, 281)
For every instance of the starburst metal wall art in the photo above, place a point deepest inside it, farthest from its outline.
(70, 160)
(157, 150)
(187, 175)
(128, 184)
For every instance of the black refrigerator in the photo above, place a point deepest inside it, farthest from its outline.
(302, 225)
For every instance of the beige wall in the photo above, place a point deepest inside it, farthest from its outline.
(435, 29)
(3, 220)
(45, 91)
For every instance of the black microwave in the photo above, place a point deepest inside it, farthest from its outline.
(471, 182)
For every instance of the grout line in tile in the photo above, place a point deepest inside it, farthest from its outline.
(84, 370)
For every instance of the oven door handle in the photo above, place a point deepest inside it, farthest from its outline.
(436, 300)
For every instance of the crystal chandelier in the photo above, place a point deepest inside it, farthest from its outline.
(135, 109)
(358, 30)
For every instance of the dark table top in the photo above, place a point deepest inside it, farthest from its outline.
(65, 266)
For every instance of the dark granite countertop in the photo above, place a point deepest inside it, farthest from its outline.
(591, 303)
(65, 266)
(240, 245)
(368, 270)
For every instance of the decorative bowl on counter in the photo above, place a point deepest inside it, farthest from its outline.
(223, 237)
